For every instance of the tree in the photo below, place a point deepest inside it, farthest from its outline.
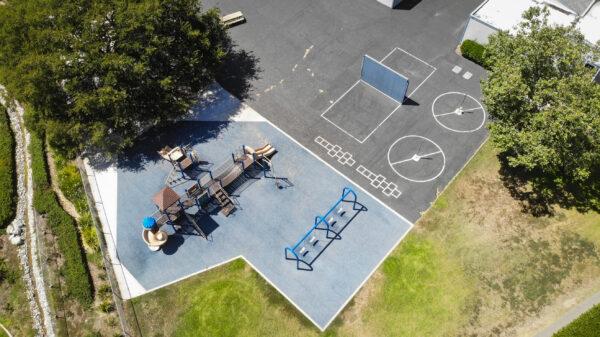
(545, 110)
(94, 74)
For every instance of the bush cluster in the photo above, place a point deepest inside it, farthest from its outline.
(587, 324)
(69, 181)
(62, 225)
(7, 274)
(8, 191)
(473, 51)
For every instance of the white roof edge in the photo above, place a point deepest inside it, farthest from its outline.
(559, 6)
(589, 7)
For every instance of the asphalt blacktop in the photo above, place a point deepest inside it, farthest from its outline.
(309, 54)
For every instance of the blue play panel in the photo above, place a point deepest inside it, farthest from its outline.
(268, 218)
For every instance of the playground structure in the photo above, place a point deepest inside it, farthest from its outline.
(207, 186)
(214, 182)
(313, 243)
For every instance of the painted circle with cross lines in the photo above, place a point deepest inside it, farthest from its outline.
(458, 112)
(416, 158)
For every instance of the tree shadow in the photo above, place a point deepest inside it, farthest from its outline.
(238, 70)
(146, 146)
(539, 193)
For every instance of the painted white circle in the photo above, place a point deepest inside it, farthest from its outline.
(458, 112)
(416, 158)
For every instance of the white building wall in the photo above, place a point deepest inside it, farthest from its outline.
(478, 31)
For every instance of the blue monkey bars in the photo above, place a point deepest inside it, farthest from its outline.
(322, 223)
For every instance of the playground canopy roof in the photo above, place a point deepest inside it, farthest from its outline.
(165, 198)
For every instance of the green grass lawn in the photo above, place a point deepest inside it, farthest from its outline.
(475, 264)
(231, 300)
(586, 325)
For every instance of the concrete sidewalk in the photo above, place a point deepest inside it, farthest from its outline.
(570, 316)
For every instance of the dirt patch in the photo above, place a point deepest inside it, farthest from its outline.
(14, 310)
(72, 318)
(525, 265)
(353, 316)
(64, 202)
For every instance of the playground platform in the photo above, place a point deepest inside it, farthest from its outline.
(268, 217)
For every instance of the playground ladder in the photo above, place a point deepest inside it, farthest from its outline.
(224, 201)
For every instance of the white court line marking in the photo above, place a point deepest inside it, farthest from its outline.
(415, 157)
(473, 109)
(400, 103)
(388, 54)
(418, 59)
(447, 113)
(456, 130)
(380, 124)
(429, 154)
(401, 161)
(337, 100)
(425, 63)
(377, 127)
(426, 139)
(342, 129)
(425, 80)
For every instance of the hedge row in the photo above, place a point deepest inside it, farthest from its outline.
(63, 226)
(8, 192)
(587, 325)
(473, 51)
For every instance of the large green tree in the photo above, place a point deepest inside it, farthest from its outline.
(545, 110)
(95, 73)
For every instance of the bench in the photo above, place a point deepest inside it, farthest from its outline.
(233, 19)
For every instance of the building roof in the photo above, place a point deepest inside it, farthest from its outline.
(578, 7)
(506, 15)
(590, 24)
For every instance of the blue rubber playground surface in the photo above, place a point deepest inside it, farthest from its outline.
(268, 218)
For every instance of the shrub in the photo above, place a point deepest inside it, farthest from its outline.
(8, 190)
(587, 324)
(105, 290)
(473, 51)
(69, 181)
(107, 306)
(6, 273)
(94, 334)
(63, 226)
